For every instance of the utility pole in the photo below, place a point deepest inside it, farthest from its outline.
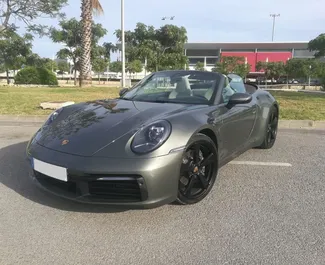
(274, 16)
(123, 44)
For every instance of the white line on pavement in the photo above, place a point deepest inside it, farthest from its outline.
(254, 163)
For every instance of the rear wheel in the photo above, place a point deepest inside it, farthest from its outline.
(198, 170)
(271, 129)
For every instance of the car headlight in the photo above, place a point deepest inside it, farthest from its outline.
(150, 137)
(53, 116)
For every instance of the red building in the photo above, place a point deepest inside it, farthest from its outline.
(253, 58)
(253, 52)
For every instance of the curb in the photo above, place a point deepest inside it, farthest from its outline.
(301, 124)
(31, 120)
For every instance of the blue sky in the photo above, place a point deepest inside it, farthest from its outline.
(209, 20)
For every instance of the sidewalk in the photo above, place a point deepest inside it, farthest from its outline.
(8, 120)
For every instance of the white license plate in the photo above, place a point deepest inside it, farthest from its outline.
(50, 170)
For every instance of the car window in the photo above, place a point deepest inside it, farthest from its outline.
(227, 91)
(188, 87)
(234, 84)
(237, 83)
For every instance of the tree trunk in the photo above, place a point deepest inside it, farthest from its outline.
(75, 77)
(5, 23)
(7, 73)
(85, 69)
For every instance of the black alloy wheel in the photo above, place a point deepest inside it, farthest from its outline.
(271, 129)
(198, 170)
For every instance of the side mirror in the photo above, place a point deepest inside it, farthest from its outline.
(240, 98)
(123, 91)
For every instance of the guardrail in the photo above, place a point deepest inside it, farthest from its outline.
(291, 87)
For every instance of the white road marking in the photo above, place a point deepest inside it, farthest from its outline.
(254, 163)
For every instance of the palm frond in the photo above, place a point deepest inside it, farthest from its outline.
(97, 7)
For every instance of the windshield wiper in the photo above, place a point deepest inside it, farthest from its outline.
(152, 100)
(160, 101)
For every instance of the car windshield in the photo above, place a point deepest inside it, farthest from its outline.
(187, 87)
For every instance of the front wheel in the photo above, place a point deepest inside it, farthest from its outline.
(271, 129)
(198, 170)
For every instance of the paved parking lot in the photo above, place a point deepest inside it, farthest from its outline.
(268, 207)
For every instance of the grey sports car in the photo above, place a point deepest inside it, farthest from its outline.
(161, 141)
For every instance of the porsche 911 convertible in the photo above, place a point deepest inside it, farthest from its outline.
(161, 141)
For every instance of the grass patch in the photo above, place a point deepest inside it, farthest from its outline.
(26, 100)
(300, 106)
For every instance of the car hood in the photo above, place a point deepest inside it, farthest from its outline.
(86, 128)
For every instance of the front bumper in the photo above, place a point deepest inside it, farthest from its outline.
(143, 183)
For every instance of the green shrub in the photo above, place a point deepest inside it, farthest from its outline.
(36, 76)
(47, 77)
(28, 75)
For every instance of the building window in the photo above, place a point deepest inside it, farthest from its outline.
(274, 50)
(211, 61)
(193, 61)
(202, 52)
(238, 50)
(302, 53)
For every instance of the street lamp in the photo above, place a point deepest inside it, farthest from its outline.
(274, 16)
(169, 18)
(123, 43)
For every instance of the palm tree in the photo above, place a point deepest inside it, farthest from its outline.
(109, 48)
(87, 9)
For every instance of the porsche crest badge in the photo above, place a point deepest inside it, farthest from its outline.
(64, 142)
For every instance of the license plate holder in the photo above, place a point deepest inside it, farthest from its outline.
(50, 170)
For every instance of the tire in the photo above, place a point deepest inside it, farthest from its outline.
(271, 129)
(198, 171)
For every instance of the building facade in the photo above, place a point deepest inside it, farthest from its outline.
(253, 52)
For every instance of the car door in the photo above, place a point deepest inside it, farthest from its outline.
(237, 122)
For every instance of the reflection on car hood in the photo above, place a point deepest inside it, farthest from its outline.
(90, 126)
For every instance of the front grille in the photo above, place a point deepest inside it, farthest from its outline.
(98, 188)
(115, 190)
(67, 187)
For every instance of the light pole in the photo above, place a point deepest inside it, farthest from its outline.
(158, 56)
(309, 77)
(274, 16)
(123, 44)
(52, 62)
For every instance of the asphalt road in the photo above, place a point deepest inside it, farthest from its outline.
(256, 214)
